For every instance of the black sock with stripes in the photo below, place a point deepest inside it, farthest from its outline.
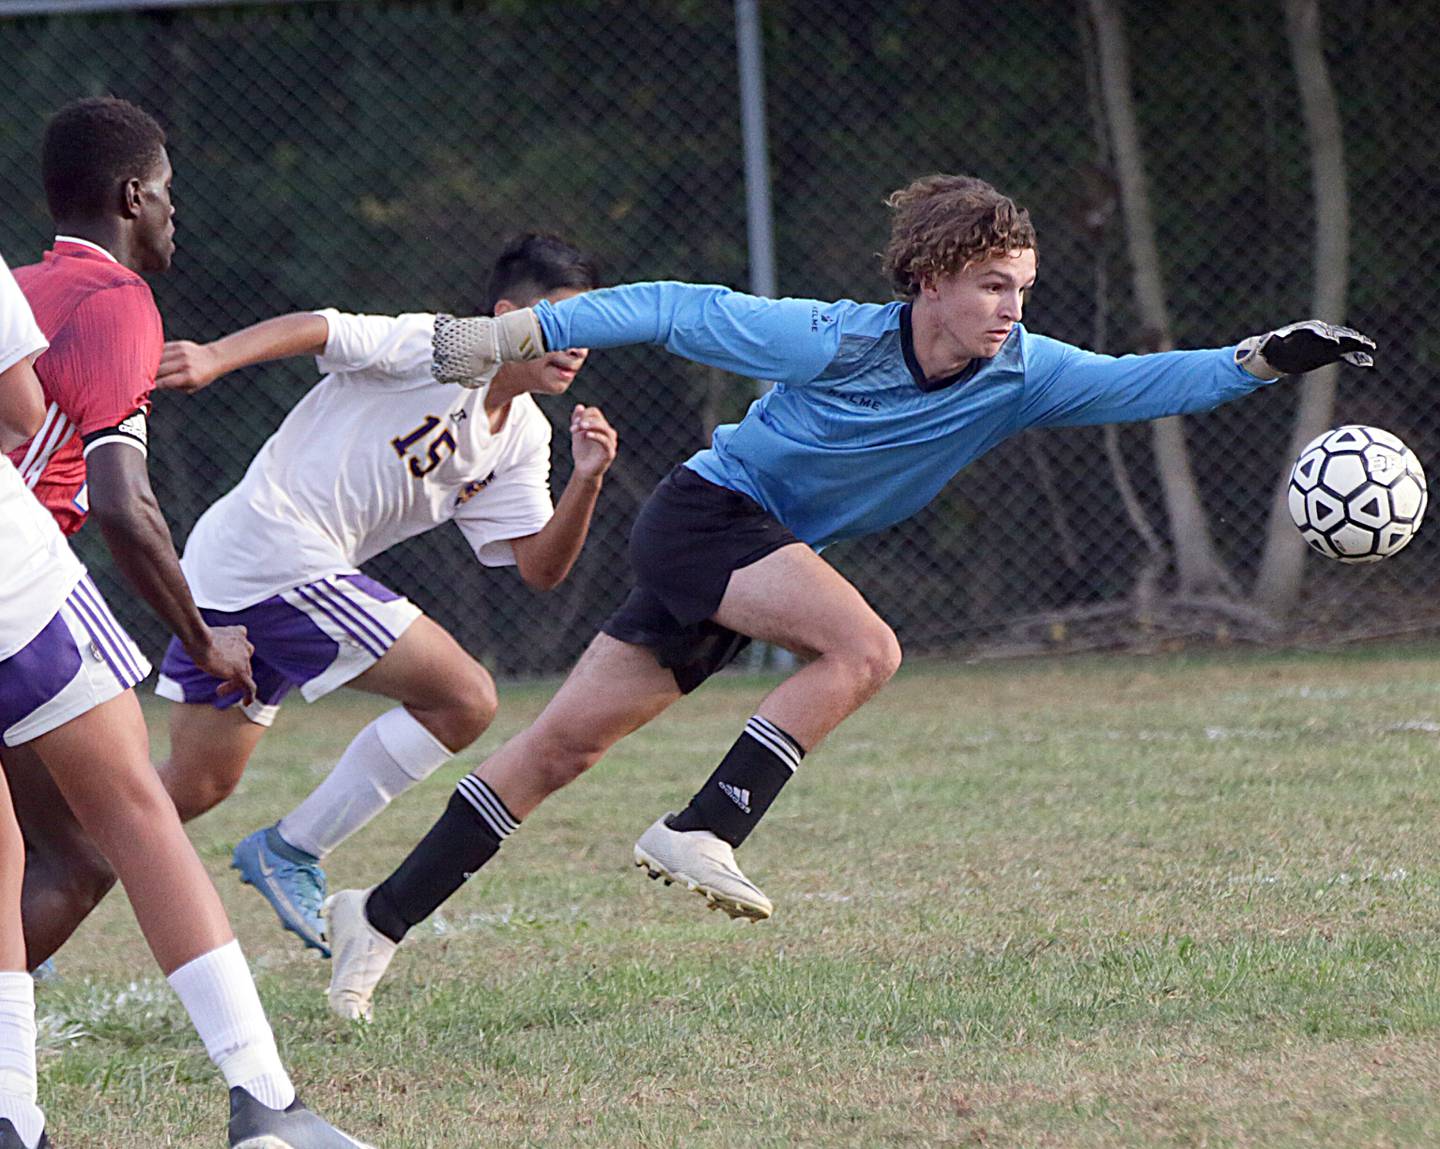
(467, 836)
(736, 796)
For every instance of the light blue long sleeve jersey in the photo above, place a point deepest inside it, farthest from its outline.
(852, 438)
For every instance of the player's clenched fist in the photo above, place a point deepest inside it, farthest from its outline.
(187, 367)
(593, 442)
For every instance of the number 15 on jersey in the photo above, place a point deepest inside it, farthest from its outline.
(421, 464)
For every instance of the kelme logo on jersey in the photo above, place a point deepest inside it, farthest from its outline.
(864, 402)
(472, 488)
(818, 317)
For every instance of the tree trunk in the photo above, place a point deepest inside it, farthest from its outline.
(1282, 565)
(1197, 562)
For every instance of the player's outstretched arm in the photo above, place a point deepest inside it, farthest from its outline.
(122, 502)
(1068, 387)
(783, 340)
(189, 367)
(1304, 346)
(546, 557)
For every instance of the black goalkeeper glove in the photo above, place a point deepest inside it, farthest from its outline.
(1304, 346)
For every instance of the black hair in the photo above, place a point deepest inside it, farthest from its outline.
(537, 264)
(90, 147)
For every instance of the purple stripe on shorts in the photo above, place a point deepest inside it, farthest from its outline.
(102, 647)
(125, 652)
(377, 591)
(358, 623)
(355, 611)
(307, 593)
(93, 618)
(37, 672)
(120, 643)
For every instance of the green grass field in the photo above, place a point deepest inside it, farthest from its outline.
(1172, 901)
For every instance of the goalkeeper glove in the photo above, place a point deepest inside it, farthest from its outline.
(1300, 347)
(470, 351)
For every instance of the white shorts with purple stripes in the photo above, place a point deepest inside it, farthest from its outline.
(81, 659)
(316, 637)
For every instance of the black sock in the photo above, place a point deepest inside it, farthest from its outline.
(466, 836)
(736, 796)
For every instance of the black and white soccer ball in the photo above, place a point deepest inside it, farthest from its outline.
(1357, 494)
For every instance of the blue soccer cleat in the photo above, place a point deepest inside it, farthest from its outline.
(291, 880)
(256, 1126)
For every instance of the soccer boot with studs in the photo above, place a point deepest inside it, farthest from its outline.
(361, 955)
(254, 1125)
(701, 862)
(291, 881)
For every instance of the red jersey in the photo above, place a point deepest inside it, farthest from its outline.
(105, 342)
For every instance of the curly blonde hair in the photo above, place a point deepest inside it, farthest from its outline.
(945, 223)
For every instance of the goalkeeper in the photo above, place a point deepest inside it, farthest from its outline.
(875, 407)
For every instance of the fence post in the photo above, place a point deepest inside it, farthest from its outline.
(759, 216)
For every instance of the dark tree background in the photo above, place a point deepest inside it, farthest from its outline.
(372, 156)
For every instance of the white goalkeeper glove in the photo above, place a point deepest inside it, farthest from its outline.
(1304, 346)
(470, 351)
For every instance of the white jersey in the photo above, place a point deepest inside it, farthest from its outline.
(377, 452)
(37, 568)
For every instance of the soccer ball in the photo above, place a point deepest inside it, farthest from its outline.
(1357, 494)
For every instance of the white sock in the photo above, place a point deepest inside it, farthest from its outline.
(389, 756)
(17, 1056)
(219, 994)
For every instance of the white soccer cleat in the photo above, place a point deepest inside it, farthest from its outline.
(704, 863)
(360, 955)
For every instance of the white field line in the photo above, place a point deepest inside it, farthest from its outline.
(1338, 693)
(79, 1018)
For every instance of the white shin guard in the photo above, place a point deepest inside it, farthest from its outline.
(389, 756)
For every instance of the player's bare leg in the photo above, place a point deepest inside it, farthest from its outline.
(795, 599)
(66, 875)
(791, 597)
(209, 750)
(101, 764)
(614, 689)
(66, 872)
(431, 675)
(12, 869)
(447, 700)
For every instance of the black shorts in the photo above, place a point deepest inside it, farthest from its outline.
(688, 538)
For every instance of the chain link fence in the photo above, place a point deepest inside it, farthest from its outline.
(373, 156)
